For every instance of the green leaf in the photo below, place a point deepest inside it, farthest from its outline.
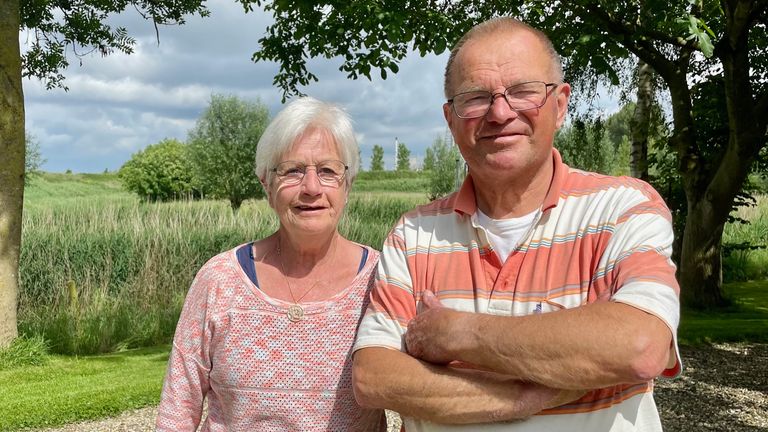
(439, 46)
(705, 44)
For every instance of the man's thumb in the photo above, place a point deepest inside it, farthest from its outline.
(430, 300)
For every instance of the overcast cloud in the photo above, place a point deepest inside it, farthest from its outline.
(119, 104)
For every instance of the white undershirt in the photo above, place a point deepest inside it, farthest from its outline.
(505, 234)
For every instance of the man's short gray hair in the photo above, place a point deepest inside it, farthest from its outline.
(293, 121)
(501, 24)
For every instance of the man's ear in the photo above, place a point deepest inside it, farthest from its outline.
(448, 114)
(563, 96)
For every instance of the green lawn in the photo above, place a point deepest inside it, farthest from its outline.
(57, 186)
(745, 320)
(70, 389)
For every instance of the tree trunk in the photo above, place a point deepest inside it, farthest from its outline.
(700, 273)
(641, 122)
(11, 166)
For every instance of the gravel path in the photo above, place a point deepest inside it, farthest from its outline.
(724, 387)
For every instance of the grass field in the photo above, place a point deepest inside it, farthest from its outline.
(68, 389)
(103, 272)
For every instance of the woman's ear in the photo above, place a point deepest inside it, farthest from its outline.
(267, 190)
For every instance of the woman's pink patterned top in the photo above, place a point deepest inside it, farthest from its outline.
(259, 370)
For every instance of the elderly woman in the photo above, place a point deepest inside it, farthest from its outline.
(266, 330)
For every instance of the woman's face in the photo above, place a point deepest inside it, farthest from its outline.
(309, 208)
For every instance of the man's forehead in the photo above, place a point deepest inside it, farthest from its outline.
(501, 59)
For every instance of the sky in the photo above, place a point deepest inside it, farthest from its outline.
(119, 104)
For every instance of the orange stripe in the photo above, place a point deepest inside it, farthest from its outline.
(600, 399)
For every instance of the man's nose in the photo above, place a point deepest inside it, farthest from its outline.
(499, 111)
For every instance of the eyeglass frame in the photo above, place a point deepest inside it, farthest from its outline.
(492, 98)
(337, 182)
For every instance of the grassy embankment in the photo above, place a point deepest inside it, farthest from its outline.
(103, 272)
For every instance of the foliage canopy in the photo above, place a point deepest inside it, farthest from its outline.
(683, 41)
(222, 148)
(55, 27)
(160, 172)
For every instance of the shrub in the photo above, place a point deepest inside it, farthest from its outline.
(160, 172)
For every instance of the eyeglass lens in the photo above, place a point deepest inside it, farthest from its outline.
(328, 172)
(520, 97)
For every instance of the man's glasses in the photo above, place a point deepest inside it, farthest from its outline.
(519, 97)
(330, 172)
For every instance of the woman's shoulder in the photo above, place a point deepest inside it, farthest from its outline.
(221, 263)
(372, 253)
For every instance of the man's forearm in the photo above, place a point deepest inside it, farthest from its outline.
(594, 346)
(386, 378)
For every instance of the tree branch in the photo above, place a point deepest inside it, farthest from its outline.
(636, 41)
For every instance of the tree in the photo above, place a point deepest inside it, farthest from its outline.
(160, 172)
(594, 144)
(700, 40)
(33, 159)
(583, 145)
(377, 158)
(56, 26)
(641, 121)
(403, 158)
(442, 176)
(429, 160)
(222, 148)
(12, 169)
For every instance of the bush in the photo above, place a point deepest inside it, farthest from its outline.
(160, 172)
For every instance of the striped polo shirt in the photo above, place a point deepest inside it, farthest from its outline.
(595, 238)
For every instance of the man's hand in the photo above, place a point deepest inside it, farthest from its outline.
(431, 333)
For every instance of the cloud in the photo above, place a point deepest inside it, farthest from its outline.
(121, 103)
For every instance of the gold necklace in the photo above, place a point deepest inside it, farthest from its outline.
(295, 312)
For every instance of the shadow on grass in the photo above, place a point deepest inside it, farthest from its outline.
(152, 354)
(744, 320)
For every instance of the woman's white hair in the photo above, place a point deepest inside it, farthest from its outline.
(293, 121)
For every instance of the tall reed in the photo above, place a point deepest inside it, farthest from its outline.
(100, 276)
(750, 262)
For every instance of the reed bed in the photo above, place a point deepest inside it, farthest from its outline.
(105, 275)
(750, 262)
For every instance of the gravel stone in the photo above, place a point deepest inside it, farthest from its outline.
(724, 387)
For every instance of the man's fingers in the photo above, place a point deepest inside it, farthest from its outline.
(430, 300)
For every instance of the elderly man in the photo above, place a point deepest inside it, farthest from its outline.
(537, 292)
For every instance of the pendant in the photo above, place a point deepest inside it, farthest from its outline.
(295, 313)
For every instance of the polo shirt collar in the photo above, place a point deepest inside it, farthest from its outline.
(466, 203)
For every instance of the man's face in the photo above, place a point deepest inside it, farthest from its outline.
(505, 144)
